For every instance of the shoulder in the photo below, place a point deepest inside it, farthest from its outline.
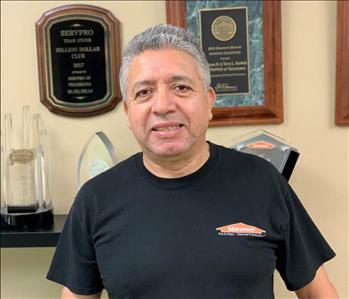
(260, 179)
(108, 183)
(246, 164)
(252, 174)
(116, 174)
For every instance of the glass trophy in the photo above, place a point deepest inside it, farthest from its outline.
(25, 199)
(97, 156)
(272, 148)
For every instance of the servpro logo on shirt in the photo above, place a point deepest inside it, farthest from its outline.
(240, 229)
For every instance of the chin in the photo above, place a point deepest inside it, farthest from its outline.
(169, 150)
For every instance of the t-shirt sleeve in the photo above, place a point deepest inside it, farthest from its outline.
(303, 249)
(74, 262)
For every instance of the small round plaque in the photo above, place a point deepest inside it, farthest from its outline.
(223, 28)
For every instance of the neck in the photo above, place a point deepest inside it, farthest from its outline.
(175, 167)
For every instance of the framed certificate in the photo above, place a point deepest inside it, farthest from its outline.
(342, 72)
(242, 43)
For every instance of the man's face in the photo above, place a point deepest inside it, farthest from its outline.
(167, 107)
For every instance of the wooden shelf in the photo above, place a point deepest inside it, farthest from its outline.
(33, 238)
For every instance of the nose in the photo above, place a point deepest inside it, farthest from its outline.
(163, 101)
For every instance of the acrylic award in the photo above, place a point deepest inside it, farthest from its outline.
(272, 148)
(97, 156)
(25, 198)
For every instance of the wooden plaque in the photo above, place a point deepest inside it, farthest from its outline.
(271, 109)
(78, 58)
(342, 75)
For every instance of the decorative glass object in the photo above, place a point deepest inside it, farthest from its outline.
(25, 198)
(97, 156)
(270, 147)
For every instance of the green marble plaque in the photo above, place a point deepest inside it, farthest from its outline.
(253, 92)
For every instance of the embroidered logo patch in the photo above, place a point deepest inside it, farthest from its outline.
(240, 229)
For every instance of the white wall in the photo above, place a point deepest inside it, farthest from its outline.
(321, 175)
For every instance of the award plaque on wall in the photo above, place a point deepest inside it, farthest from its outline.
(78, 58)
(242, 43)
(342, 72)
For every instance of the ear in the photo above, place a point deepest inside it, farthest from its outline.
(125, 106)
(211, 99)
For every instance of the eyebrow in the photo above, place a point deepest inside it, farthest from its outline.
(181, 78)
(175, 78)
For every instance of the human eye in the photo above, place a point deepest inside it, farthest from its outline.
(143, 93)
(182, 88)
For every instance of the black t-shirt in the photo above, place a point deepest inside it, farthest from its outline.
(218, 233)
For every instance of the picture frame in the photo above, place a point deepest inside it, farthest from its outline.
(342, 67)
(271, 111)
(78, 54)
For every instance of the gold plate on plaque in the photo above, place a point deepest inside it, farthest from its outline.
(223, 28)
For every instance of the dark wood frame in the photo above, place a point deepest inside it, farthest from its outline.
(342, 72)
(115, 59)
(272, 111)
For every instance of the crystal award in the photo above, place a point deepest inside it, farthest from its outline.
(97, 156)
(272, 148)
(25, 196)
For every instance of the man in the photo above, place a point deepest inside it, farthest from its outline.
(185, 218)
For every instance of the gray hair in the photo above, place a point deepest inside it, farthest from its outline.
(161, 37)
